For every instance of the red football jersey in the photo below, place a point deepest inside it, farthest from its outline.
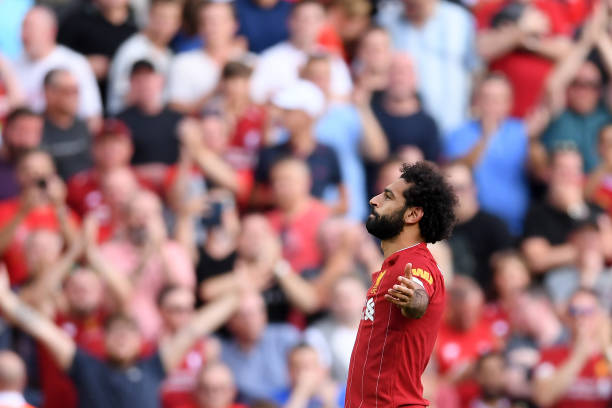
(392, 351)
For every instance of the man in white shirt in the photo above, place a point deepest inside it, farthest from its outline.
(42, 54)
(12, 381)
(150, 44)
(279, 66)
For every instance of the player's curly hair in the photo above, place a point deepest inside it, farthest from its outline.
(430, 191)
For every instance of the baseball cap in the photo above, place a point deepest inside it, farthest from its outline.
(301, 95)
(113, 128)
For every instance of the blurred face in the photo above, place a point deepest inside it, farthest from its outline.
(43, 249)
(491, 376)
(465, 302)
(62, 94)
(460, 179)
(375, 51)
(216, 388)
(249, 322)
(302, 361)
(584, 91)
(295, 121)
(305, 23)
(164, 21)
(38, 32)
(352, 27)
(402, 76)
(386, 219)
(416, 9)
(123, 342)
(24, 133)
(83, 291)
(177, 308)
(143, 210)
(319, 73)
(348, 294)
(290, 183)
(146, 86)
(255, 231)
(494, 99)
(118, 187)
(236, 88)
(584, 314)
(566, 170)
(36, 166)
(112, 152)
(112, 3)
(215, 133)
(511, 277)
(217, 24)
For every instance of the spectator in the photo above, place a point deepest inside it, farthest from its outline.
(598, 186)
(440, 36)
(548, 224)
(373, 60)
(22, 132)
(334, 336)
(301, 104)
(478, 234)
(524, 42)
(490, 372)
(96, 30)
(12, 381)
(152, 124)
(347, 20)
(278, 67)
(589, 271)
(11, 17)
(176, 305)
(298, 216)
(149, 259)
(567, 374)
(259, 22)
(194, 74)
(352, 131)
(495, 146)
(65, 136)
(11, 95)
(150, 44)
(112, 383)
(311, 385)
(215, 388)
(41, 204)
(463, 337)
(43, 54)
(398, 108)
(257, 351)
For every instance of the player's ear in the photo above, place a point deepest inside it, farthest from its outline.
(413, 215)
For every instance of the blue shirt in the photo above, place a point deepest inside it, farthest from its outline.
(12, 13)
(341, 129)
(262, 371)
(282, 397)
(263, 27)
(500, 173)
(444, 51)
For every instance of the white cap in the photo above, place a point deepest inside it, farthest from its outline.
(301, 95)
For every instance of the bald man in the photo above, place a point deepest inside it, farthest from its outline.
(42, 54)
(216, 387)
(12, 381)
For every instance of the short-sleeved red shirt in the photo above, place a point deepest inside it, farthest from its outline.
(43, 217)
(392, 351)
(591, 389)
(526, 71)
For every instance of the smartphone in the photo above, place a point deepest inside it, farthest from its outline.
(213, 217)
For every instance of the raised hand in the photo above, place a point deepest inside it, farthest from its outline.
(408, 295)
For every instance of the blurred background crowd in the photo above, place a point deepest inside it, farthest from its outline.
(183, 185)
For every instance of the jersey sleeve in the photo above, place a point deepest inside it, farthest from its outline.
(423, 275)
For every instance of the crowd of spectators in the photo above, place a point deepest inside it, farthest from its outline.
(183, 185)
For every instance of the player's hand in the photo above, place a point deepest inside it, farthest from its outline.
(402, 294)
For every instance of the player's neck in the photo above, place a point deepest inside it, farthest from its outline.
(402, 241)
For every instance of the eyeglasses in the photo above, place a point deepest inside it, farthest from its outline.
(576, 311)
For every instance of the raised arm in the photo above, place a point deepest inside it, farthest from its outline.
(206, 320)
(410, 297)
(59, 344)
(374, 145)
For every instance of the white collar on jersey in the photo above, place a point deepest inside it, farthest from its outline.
(403, 249)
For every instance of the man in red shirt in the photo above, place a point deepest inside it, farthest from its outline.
(404, 306)
(578, 374)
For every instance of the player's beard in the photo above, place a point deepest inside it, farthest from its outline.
(385, 227)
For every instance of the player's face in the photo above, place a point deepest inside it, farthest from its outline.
(386, 219)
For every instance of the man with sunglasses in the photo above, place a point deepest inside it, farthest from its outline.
(578, 374)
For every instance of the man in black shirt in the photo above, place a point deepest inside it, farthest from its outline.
(478, 234)
(65, 136)
(153, 125)
(124, 380)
